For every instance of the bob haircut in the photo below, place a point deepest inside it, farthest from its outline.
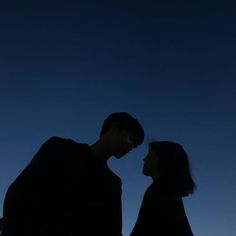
(124, 121)
(173, 167)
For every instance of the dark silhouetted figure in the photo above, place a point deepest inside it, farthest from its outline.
(162, 211)
(1, 225)
(67, 189)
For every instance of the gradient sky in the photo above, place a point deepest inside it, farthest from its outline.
(65, 66)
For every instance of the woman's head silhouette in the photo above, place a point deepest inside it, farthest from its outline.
(167, 162)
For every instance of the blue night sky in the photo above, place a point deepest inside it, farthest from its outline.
(65, 66)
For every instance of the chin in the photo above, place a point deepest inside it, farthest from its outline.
(118, 156)
(145, 172)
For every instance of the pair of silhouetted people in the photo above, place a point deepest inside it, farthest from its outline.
(68, 189)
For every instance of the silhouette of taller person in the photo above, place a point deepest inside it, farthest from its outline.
(162, 211)
(67, 189)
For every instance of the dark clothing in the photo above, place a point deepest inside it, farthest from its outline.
(64, 191)
(161, 214)
(1, 225)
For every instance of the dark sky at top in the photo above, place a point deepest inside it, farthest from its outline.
(64, 66)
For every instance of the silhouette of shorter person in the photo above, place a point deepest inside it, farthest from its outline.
(162, 211)
(68, 189)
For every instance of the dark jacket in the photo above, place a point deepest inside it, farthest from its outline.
(161, 214)
(1, 225)
(64, 191)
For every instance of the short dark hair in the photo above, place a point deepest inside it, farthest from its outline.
(173, 167)
(124, 121)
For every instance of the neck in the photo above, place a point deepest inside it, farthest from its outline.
(155, 178)
(100, 150)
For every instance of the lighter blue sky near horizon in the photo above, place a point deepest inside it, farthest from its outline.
(64, 67)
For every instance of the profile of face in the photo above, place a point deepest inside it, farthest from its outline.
(150, 166)
(121, 143)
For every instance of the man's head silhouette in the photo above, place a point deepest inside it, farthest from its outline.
(120, 133)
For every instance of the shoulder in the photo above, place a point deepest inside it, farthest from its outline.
(51, 145)
(57, 148)
(161, 199)
(63, 142)
(55, 140)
